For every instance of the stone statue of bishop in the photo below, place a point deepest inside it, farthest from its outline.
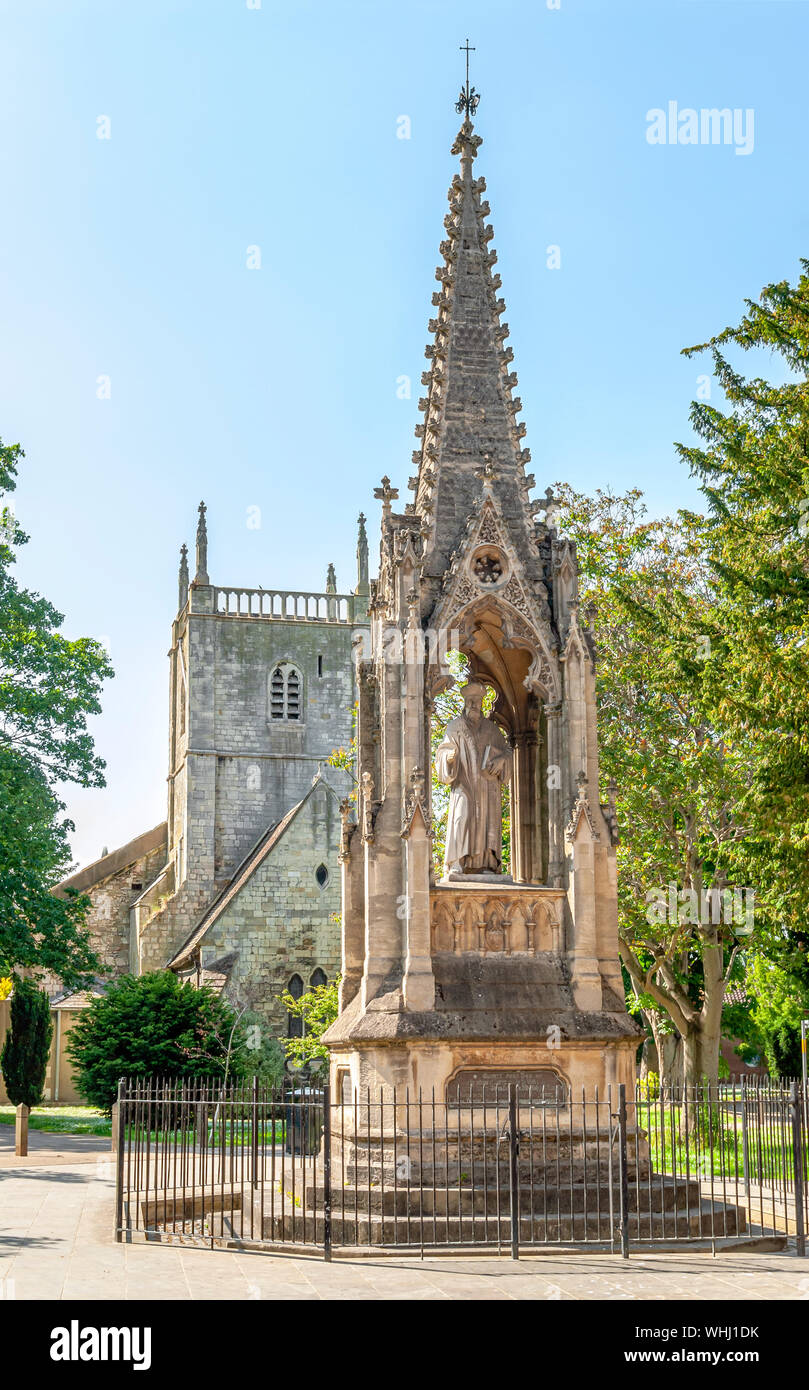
(474, 760)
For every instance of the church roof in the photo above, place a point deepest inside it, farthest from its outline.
(251, 862)
(117, 860)
(469, 410)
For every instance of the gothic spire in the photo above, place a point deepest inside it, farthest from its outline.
(201, 576)
(469, 410)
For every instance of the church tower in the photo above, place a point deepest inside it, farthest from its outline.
(479, 976)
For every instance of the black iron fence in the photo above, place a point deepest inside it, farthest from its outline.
(514, 1169)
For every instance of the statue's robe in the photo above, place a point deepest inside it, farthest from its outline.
(473, 761)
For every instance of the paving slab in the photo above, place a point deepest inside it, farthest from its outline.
(56, 1242)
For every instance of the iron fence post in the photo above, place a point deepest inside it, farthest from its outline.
(119, 1162)
(623, 1173)
(254, 1134)
(326, 1172)
(745, 1147)
(797, 1156)
(513, 1171)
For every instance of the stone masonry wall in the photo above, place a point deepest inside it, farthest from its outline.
(236, 771)
(282, 921)
(108, 918)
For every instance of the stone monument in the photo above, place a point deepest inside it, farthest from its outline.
(476, 974)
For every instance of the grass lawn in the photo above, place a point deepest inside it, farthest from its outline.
(717, 1143)
(62, 1119)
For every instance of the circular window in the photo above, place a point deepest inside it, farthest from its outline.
(489, 567)
(322, 875)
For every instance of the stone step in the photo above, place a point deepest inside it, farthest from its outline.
(441, 1230)
(537, 1169)
(443, 1201)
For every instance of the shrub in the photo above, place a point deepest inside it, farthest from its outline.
(27, 1047)
(154, 1025)
(318, 1008)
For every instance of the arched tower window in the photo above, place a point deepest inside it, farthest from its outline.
(322, 875)
(286, 692)
(318, 978)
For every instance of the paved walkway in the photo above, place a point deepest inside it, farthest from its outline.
(55, 1242)
(47, 1149)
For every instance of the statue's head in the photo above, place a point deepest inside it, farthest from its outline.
(473, 693)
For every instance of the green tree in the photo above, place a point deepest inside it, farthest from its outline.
(752, 463)
(49, 685)
(317, 1009)
(24, 1059)
(680, 782)
(776, 1003)
(154, 1025)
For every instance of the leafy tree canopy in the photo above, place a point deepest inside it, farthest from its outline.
(49, 686)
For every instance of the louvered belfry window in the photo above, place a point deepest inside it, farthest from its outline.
(285, 692)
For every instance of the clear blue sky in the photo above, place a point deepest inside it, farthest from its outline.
(276, 388)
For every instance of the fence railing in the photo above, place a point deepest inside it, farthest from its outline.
(510, 1169)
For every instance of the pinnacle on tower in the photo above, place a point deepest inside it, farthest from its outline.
(183, 578)
(201, 576)
(331, 580)
(363, 586)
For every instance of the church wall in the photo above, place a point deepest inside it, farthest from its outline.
(281, 923)
(263, 766)
(108, 919)
(236, 771)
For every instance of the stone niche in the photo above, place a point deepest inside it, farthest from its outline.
(488, 918)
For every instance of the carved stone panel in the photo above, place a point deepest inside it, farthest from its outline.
(514, 919)
(479, 1085)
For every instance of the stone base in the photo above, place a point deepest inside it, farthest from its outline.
(489, 877)
(593, 1067)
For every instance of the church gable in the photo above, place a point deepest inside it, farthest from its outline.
(276, 917)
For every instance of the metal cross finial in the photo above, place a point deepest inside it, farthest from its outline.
(469, 98)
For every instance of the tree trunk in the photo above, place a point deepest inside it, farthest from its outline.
(670, 1051)
(701, 1055)
(664, 1054)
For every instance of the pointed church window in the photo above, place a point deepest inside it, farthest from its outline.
(318, 978)
(322, 875)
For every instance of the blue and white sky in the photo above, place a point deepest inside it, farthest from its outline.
(236, 124)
